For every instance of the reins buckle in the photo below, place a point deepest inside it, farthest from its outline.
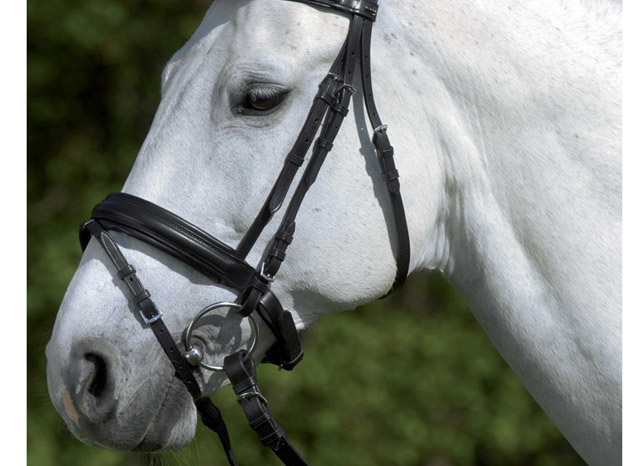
(251, 394)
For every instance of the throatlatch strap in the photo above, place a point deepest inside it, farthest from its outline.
(357, 45)
(387, 163)
(255, 406)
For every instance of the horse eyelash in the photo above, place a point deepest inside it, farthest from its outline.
(264, 92)
(257, 92)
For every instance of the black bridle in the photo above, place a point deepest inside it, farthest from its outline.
(154, 225)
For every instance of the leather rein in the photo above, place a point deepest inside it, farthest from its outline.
(168, 232)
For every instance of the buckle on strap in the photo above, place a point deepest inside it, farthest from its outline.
(333, 76)
(380, 128)
(264, 275)
(252, 393)
(347, 87)
(154, 317)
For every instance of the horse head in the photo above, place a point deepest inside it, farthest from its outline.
(233, 102)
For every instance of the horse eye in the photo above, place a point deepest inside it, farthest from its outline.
(261, 101)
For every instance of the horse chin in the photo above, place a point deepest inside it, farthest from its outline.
(151, 443)
(173, 427)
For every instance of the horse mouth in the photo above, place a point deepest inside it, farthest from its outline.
(149, 446)
(148, 443)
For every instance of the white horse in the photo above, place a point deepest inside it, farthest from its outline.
(506, 123)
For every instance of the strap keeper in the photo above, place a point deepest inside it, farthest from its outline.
(277, 253)
(386, 153)
(295, 159)
(259, 421)
(341, 109)
(260, 283)
(273, 438)
(144, 294)
(247, 385)
(126, 271)
(322, 143)
(325, 97)
(392, 175)
(280, 254)
(284, 236)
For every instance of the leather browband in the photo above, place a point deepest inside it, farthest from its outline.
(364, 8)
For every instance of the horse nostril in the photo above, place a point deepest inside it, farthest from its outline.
(98, 383)
(88, 382)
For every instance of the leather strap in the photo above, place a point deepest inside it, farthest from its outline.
(295, 158)
(165, 230)
(287, 351)
(330, 128)
(255, 407)
(149, 312)
(212, 418)
(151, 315)
(358, 43)
(364, 8)
(387, 164)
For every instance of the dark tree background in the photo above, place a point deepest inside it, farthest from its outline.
(411, 380)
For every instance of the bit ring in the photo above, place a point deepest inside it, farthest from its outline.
(194, 356)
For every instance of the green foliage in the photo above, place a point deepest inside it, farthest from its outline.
(411, 380)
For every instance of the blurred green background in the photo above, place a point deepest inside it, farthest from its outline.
(411, 380)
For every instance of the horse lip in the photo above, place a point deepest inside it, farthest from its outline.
(145, 444)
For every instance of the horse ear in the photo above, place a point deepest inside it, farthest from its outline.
(167, 72)
(84, 236)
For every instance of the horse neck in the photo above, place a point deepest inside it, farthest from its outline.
(522, 110)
